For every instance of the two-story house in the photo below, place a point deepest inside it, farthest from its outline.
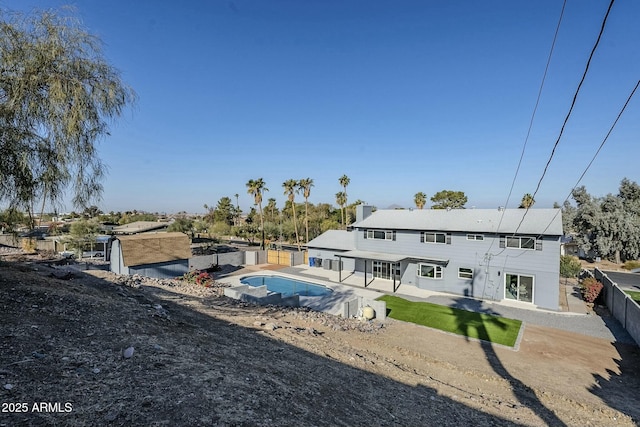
(493, 254)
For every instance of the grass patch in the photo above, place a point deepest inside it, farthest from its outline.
(634, 295)
(486, 327)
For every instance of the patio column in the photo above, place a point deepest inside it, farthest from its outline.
(365, 273)
(339, 269)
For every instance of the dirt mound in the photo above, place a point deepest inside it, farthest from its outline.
(98, 349)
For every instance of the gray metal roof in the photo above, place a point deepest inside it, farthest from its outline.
(536, 221)
(383, 256)
(335, 239)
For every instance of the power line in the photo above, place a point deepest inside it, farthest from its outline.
(573, 102)
(624, 107)
(533, 115)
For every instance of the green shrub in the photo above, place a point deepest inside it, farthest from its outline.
(591, 289)
(569, 266)
(630, 265)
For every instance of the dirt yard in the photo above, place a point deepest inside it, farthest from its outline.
(94, 350)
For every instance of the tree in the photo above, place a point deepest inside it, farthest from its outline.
(291, 187)
(341, 200)
(224, 211)
(527, 201)
(569, 266)
(57, 96)
(256, 188)
(182, 225)
(609, 226)
(305, 185)
(91, 211)
(420, 199)
(271, 209)
(447, 199)
(81, 233)
(344, 180)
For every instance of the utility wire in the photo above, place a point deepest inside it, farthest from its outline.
(573, 102)
(596, 154)
(533, 115)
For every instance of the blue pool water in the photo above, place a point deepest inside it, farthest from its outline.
(287, 287)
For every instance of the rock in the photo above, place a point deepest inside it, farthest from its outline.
(271, 326)
(127, 353)
(38, 355)
(8, 386)
(96, 370)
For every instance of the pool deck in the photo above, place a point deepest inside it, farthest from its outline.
(332, 303)
(352, 285)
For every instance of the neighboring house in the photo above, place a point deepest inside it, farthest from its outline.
(140, 227)
(161, 255)
(490, 254)
(568, 246)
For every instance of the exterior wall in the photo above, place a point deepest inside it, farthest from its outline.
(117, 265)
(348, 264)
(489, 270)
(162, 270)
(203, 262)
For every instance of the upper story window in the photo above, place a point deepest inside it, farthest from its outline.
(521, 242)
(380, 234)
(435, 237)
(475, 237)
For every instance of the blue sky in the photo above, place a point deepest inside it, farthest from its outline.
(401, 96)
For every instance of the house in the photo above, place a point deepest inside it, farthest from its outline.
(140, 227)
(159, 255)
(494, 254)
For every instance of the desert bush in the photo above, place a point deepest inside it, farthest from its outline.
(198, 277)
(29, 245)
(630, 265)
(591, 289)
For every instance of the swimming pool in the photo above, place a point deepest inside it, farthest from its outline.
(287, 287)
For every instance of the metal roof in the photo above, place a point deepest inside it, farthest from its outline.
(387, 257)
(536, 221)
(340, 240)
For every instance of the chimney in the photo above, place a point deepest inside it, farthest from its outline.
(362, 212)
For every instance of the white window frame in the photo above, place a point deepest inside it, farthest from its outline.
(467, 275)
(434, 235)
(519, 288)
(475, 237)
(509, 240)
(388, 235)
(438, 271)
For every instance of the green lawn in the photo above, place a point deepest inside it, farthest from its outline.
(494, 329)
(634, 295)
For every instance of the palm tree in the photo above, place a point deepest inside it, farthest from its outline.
(420, 199)
(341, 200)
(256, 188)
(305, 185)
(237, 212)
(527, 201)
(344, 180)
(290, 189)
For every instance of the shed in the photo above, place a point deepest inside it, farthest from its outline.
(158, 255)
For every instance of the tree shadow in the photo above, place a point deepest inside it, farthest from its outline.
(619, 390)
(525, 395)
(190, 367)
